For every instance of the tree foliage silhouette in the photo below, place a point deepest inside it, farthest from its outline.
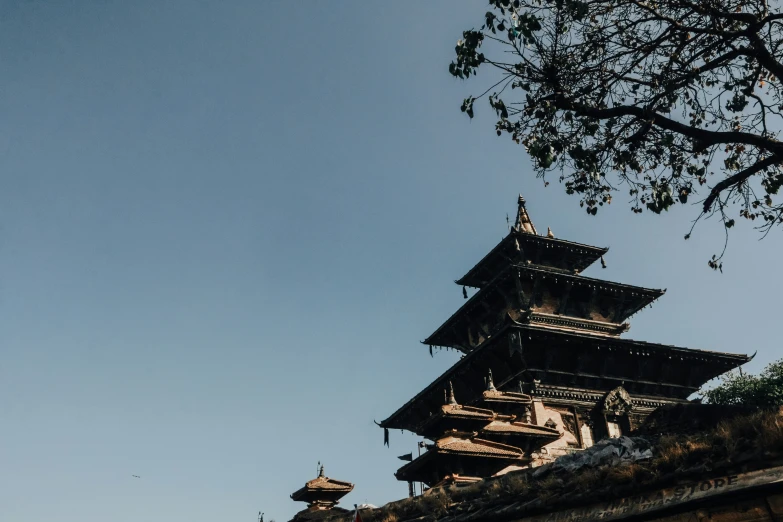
(668, 101)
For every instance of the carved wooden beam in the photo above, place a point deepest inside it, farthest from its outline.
(534, 293)
(548, 361)
(520, 254)
(593, 301)
(605, 365)
(580, 363)
(582, 305)
(520, 292)
(472, 341)
(564, 298)
(578, 423)
(563, 261)
(508, 300)
(689, 379)
(461, 338)
(664, 368)
(628, 382)
(483, 330)
(618, 310)
(487, 308)
(641, 365)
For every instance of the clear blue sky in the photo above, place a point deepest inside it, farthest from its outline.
(226, 226)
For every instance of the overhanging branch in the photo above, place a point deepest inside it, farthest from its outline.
(699, 135)
(736, 179)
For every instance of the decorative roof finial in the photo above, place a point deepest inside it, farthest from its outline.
(451, 400)
(321, 471)
(523, 223)
(549, 233)
(490, 382)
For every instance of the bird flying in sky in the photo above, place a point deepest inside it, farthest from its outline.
(135, 476)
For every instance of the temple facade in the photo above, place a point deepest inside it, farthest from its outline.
(545, 369)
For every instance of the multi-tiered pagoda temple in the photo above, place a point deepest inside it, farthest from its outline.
(545, 371)
(322, 495)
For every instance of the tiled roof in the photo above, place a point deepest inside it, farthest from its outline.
(326, 483)
(499, 255)
(465, 418)
(477, 447)
(323, 489)
(477, 456)
(520, 428)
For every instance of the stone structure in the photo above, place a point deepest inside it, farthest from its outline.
(544, 371)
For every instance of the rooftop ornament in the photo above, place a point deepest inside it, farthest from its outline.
(451, 400)
(490, 383)
(523, 222)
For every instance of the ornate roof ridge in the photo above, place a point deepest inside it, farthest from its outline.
(524, 230)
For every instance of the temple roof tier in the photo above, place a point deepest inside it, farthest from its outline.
(514, 404)
(456, 416)
(524, 245)
(458, 453)
(555, 254)
(539, 295)
(524, 355)
(526, 436)
(322, 491)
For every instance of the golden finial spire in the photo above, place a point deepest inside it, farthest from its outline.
(523, 223)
